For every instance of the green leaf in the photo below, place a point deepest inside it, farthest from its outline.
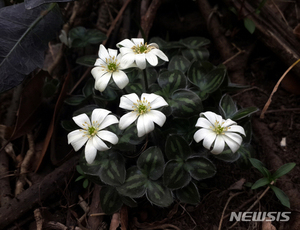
(260, 166)
(244, 113)
(79, 178)
(110, 200)
(175, 176)
(227, 106)
(249, 25)
(177, 148)
(112, 170)
(75, 100)
(189, 194)
(158, 194)
(88, 87)
(129, 201)
(206, 76)
(194, 42)
(261, 182)
(227, 155)
(284, 169)
(151, 162)
(179, 63)
(88, 109)
(170, 81)
(134, 185)
(282, 197)
(85, 183)
(88, 60)
(81, 36)
(129, 135)
(79, 170)
(199, 54)
(185, 103)
(246, 151)
(134, 88)
(200, 168)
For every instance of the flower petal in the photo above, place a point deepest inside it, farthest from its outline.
(120, 78)
(204, 123)
(82, 120)
(100, 62)
(229, 122)
(90, 151)
(154, 44)
(76, 139)
(127, 120)
(101, 83)
(140, 60)
(126, 101)
(237, 129)
(218, 145)
(156, 101)
(98, 115)
(98, 72)
(112, 53)
(200, 135)
(127, 59)
(212, 117)
(99, 144)
(138, 41)
(157, 117)
(144, 125)
(109, 120)
(160, 54)
(235, 137)
(209, 139)
(108, 136)
(103, 54)
(125, 43)
(152, 59)
(234, 146)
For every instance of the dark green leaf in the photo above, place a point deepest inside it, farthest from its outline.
(79, 178)
(194, 42)
(179, 63)
(81, 36)
(134, 88)
(85, 183)
(249, 25)
(79, 170)
(69, 125)
(284, 169)
(134, 185)
(189, 194)
(151, 162)
(227, 106)
(244, 113)
(110, 200)
(113, 169)
(130, 136)
(260, 166)
(129, 201)
(185, 103)
(246, 151)
(88, 87)
(175, 176)
(177, 148)
(88, 60)
(284, 199)
(261, 182)
(158, 194)
(170, 81)
(200, 168)
(199, 54)
(88, 109)
(227, 155)
(75, 100)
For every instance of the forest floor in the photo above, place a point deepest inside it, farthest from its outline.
(276, 136)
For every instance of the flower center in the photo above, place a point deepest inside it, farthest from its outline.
(142, 48)
(90, 130)
(219, 129)
(141, 107)
(112, 65)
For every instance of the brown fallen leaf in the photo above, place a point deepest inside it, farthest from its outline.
(267, 225)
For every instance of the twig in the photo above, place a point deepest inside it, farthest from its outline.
(229, 199)
(275, 89)
(258, 199)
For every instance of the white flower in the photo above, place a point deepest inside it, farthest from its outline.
(142, 111)
(109, 65)
(92, 133)
(135, 51)
(65, 39)
(216, 131)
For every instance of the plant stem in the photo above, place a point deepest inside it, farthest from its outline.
(145, 85)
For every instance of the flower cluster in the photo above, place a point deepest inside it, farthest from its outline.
(214, 130)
